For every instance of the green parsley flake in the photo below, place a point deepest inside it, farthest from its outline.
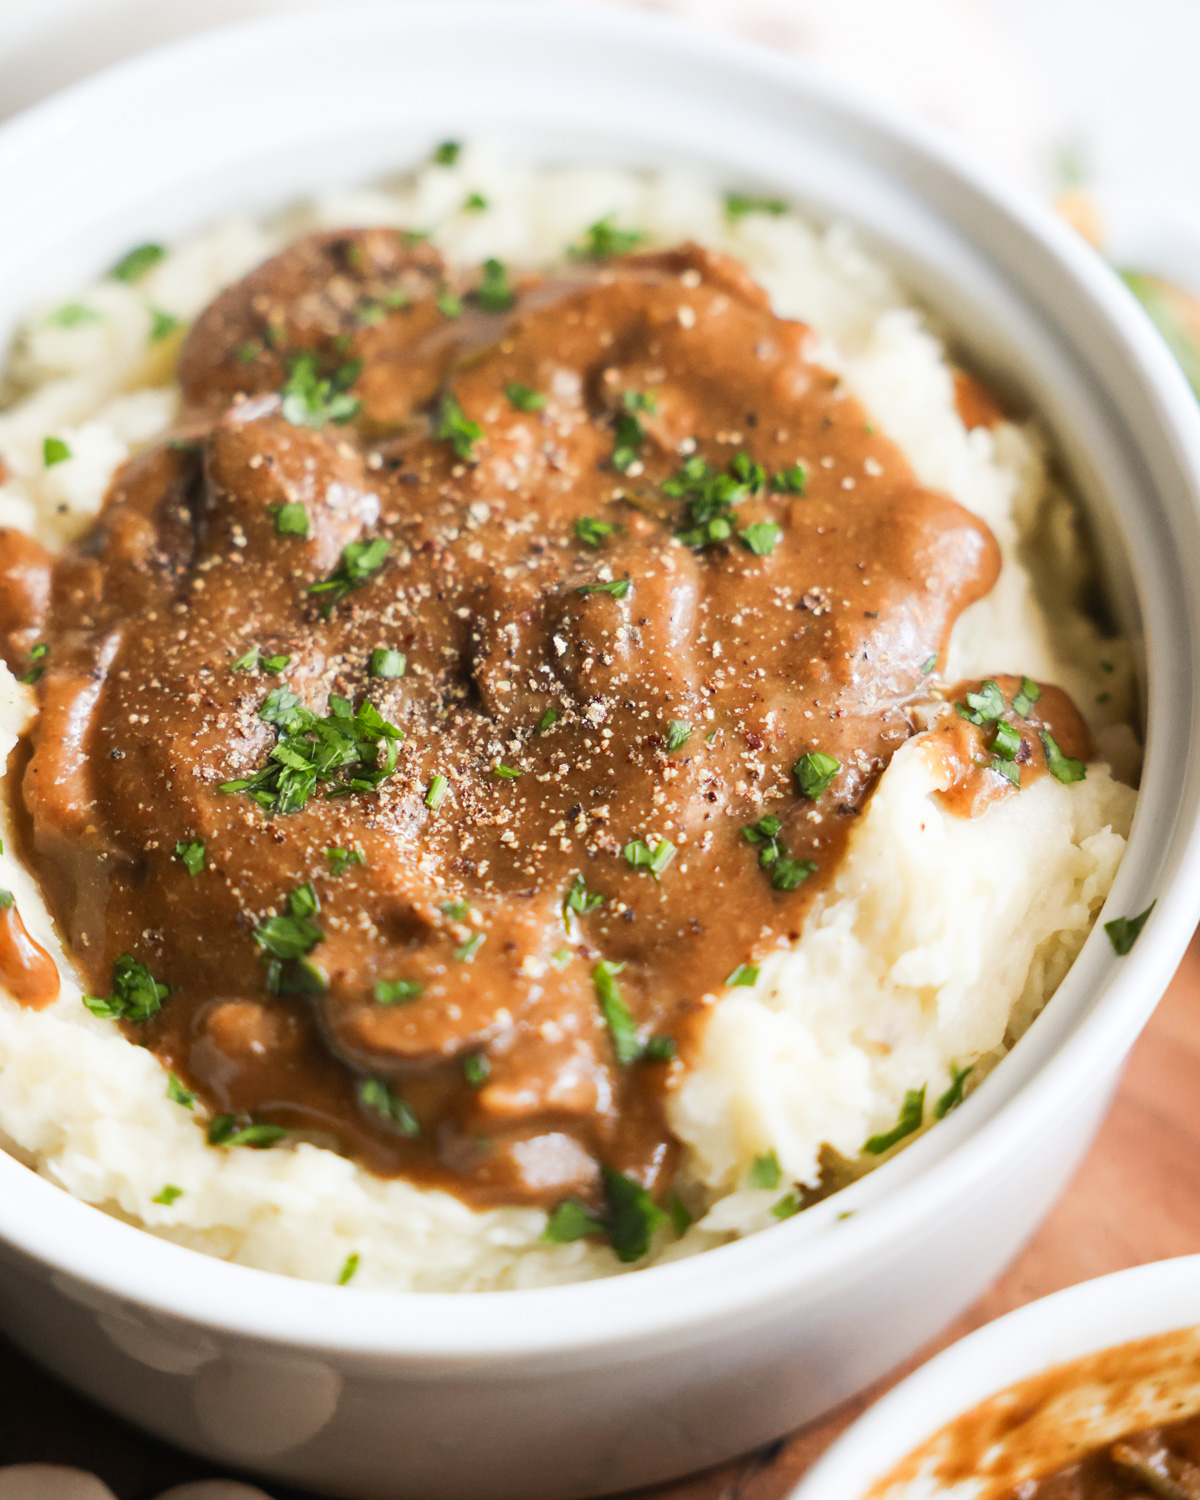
(985, 706)
(953, 1096)
(474, 203)
(477, 1069)
(628, 434)
(54, 451)
(790, 481)
(1007, 768)
(548, 719)
(290, 519)
(1007, 740)
(621, 1026)
(273, 665)
(494, 294)
(341, 859)
(681, 1217)
(257, 1137)
(247, 662)
(571, 1220)
(632, 1216)
(738, 205)
(134, 265)
(168, 1195)
(638, 855)
(617, 587)
(678, 734)
(787, 1207)
(37, 663)
(787, 873)
(929, 665)
(506, 773)
(659, 1049)
(561, 957)
(73, 315)
(744, 976)
(137, 996)
(1123, 932)
(1026, 697)
(190, 854)
(457, 429)
(162, 325)
(6, 901)
(592, 532)
(448, 304)
(524, 397)
(177, 1094)
(379, 1100)
(397, 991)
(712, 496)
(359, 561)
(762, 537)
(447, 153)
(369, 314)
(814, 771)
(311, 399)
(579, 899)
(349, 1268)
(602, 240)
(912, 1112)
(457, 910)
(765, 1172)
(1061, 766)
(436, 793)
(467, 951)
(385, 662)
(293, 934)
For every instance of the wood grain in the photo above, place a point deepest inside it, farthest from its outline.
(1136, 1198)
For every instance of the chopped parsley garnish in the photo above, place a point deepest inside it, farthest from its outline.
(385, 662)
(369, 314)
(506, 773)
(814, 771)
(54, 451)
(1007, 740)
(447, 153)
(602, 240)
(912, 1112)
(6, 901)
(477, 1069)
(617, 587)
(136, 994)
(177, 1094)
(571, 1220)
(579, 899)
(436, 791)
(738, 205)
(765, 1172)
(1006, 768)
(1123, 932)
(474, 203)
(681, 1218)
(712, 496)
(744, 976)
(162, 325)
(358, 562)
(1026, 697)
(397, 991)
(787, 1207)
(457, 910)
(467, 951)
(953, 1096)
(632, 1215)
(72, 315)
(168, 1195)
(448, 304)
(246, 663)
(312, 749)
(929, 665)
(457, 429)
(524, 397)
(290, 519)
(37, 663)
(765, 836)
(223, 1131)
(494, 294)
(628, 432)
(190, 854)
(561, 957)
(639, 855)
(349, 1268)
(293, 934)
(134, 265)
(621, 1026)
(375, 1096)
(790, 481)
(311, 399)
(659, 1049)
(678, 734)
(340, 860)
(788, 873)
(762, 537)
(548, 719)
(592, 532)
(1061, 766)
(985, 706)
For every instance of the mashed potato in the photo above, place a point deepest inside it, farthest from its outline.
(936, 944)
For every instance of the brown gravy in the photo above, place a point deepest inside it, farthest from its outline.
(613, 556)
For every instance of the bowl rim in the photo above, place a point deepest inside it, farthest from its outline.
(88, 1249)
(1162, 1296)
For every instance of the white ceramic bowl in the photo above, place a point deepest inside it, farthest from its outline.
(590, 1389)
(1158, 1298)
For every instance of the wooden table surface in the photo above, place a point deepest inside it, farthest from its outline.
(1136, 1198)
